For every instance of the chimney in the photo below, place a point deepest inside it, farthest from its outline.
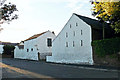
(53, 32)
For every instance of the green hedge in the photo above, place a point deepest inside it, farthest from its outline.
(106, 46)
(8, 49)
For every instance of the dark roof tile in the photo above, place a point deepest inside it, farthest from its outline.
(92, 22)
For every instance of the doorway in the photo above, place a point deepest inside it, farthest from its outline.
(38, 56)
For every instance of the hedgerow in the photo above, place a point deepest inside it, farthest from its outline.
(106, 46)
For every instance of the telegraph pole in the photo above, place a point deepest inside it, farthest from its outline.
(103, 30)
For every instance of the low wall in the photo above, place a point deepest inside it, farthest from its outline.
(107, 60)
(6, 56)
(43, 55)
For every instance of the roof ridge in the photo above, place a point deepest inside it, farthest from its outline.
(85, 17)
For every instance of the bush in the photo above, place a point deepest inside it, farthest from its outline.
(8, 49)
(106, 46)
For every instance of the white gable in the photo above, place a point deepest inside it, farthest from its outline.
(73, 43)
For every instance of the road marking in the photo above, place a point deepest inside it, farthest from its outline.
(25, 72)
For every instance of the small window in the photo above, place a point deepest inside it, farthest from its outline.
(49, 42)
(76, 24)
(73, 44)
(73, 33)
(27, 50)
(31, 49)
(81, 32)
(66, 44)
(66, 34)
(81, 42)
(70, 26)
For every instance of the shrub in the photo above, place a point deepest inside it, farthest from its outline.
(106, 46)
(8, 49)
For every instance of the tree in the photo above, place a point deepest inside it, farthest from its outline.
(8, 49)
(108, 12)
(7, 13)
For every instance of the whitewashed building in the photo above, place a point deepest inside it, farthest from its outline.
(73, 43)
(19, 51)
(1, 49)
(36, 47)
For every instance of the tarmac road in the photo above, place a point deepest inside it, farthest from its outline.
(16, 68)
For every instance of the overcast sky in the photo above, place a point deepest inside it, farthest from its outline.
(36, 16)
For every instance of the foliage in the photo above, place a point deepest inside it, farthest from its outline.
(7, 13)
(109, 12)
(8, 49)
(113, 56)
(106, 46)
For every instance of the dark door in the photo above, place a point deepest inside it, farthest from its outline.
(38, 56)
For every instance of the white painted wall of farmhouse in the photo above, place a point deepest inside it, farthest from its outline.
(77, 54)
(38, 44)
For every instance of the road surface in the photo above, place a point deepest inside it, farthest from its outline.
(16, 68)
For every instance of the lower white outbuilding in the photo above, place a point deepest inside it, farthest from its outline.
(36, 47)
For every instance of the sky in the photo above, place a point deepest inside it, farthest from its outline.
(37, 16)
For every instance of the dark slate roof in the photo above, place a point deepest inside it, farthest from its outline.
(92, 22)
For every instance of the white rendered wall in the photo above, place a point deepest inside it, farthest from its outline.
(19, 53)
(1, 49)
(38, 44)
(78, 54)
